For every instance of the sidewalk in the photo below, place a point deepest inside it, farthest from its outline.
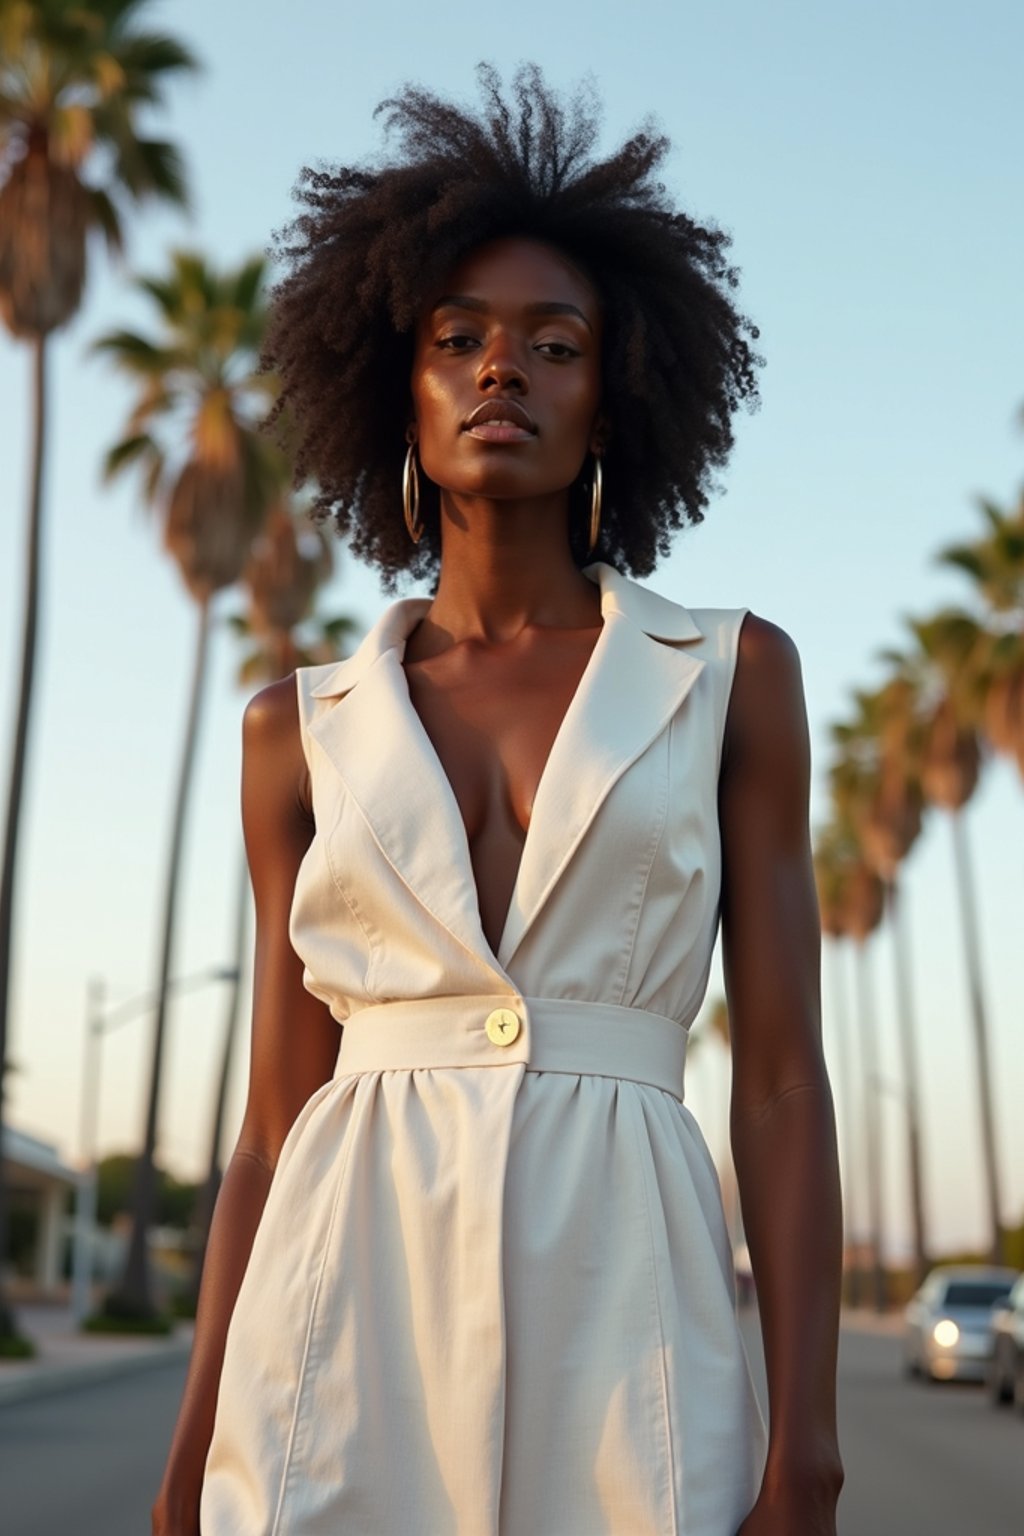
(68, 1358)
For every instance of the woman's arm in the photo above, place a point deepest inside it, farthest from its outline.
(783, 1130)
(294, 1047)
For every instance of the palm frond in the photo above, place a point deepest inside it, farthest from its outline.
(247, 283)
(252, 669)
(157, 398)
(993, 515)
(152, 484)
(165, 292)
(152, 168)
(146, 57)
(342, 627)
(135, 354)
(196, 277)
(964, 557)
(106, 219)
(128, 452)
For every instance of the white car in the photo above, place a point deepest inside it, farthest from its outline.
(946, 1331)
(1006, 1367)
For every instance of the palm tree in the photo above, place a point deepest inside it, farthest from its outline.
(194, 433)
(232, 1014)
(995, 662)
(951, 764)
(833, 854)
(877, 792)
(289, 562)
(75, 82)
(987, 654)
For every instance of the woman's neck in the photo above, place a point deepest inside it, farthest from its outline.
(503, 567)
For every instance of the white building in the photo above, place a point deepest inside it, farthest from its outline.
(37, 1181)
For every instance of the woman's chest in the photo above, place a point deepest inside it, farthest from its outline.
(492, 720)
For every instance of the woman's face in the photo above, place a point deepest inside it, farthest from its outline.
(506, 375)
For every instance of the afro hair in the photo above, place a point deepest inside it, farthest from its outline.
(372, 242)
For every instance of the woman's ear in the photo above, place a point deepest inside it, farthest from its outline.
(599, 435)
(411, 434)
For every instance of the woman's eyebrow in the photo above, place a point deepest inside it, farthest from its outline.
(461, 301)
(557, 307)
(542, 307)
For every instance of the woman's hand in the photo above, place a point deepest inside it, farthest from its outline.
(788, 1518)
(796, 1505)
(170, 1518)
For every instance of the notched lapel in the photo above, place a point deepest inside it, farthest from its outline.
(377, 745)
(628, 695)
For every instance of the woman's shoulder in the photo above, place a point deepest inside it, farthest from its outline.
(273, 713)
(745, 638)
(765, 650)
(766, 711)
(273, 746)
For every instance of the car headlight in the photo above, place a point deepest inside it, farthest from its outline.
(945, 1333)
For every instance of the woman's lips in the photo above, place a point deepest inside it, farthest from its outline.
(500, 420)
(499, 432)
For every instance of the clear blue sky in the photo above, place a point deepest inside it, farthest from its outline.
(866, 158)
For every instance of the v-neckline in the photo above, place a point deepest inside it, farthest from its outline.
(448, 791)
(638, 674)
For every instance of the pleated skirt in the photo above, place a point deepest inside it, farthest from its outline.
(487, 1300)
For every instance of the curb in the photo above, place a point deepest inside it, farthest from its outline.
(40, 1380)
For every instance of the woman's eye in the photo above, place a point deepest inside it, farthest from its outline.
(557, 349)
(457, 343)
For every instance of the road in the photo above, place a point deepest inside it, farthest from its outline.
(921, 1461)
(86, 1461)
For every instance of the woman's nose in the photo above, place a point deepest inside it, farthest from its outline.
(502, 368)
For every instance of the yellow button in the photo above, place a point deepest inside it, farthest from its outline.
(502, 1026)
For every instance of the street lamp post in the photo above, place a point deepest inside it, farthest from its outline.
(98, 1023)
(86, 1193)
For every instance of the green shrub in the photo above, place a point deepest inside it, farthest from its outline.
(118, 1315)
(15, 1346)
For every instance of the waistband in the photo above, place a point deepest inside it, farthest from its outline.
(496, 1030)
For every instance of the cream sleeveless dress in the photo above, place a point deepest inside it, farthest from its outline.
(491, 1293)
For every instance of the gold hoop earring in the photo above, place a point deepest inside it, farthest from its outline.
(596, 488)
(411, 496)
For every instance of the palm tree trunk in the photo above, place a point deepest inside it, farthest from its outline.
(968, 911)
(133, 1296)
(912, 1093)
(17, 780)
(232, 1015)
(872, 1120)
(282, 652)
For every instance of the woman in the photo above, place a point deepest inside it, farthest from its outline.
(491, 1289)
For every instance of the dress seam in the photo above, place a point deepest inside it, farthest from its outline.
(307, 1346)
(661, 1335)
(659, 834)
(350, 904)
